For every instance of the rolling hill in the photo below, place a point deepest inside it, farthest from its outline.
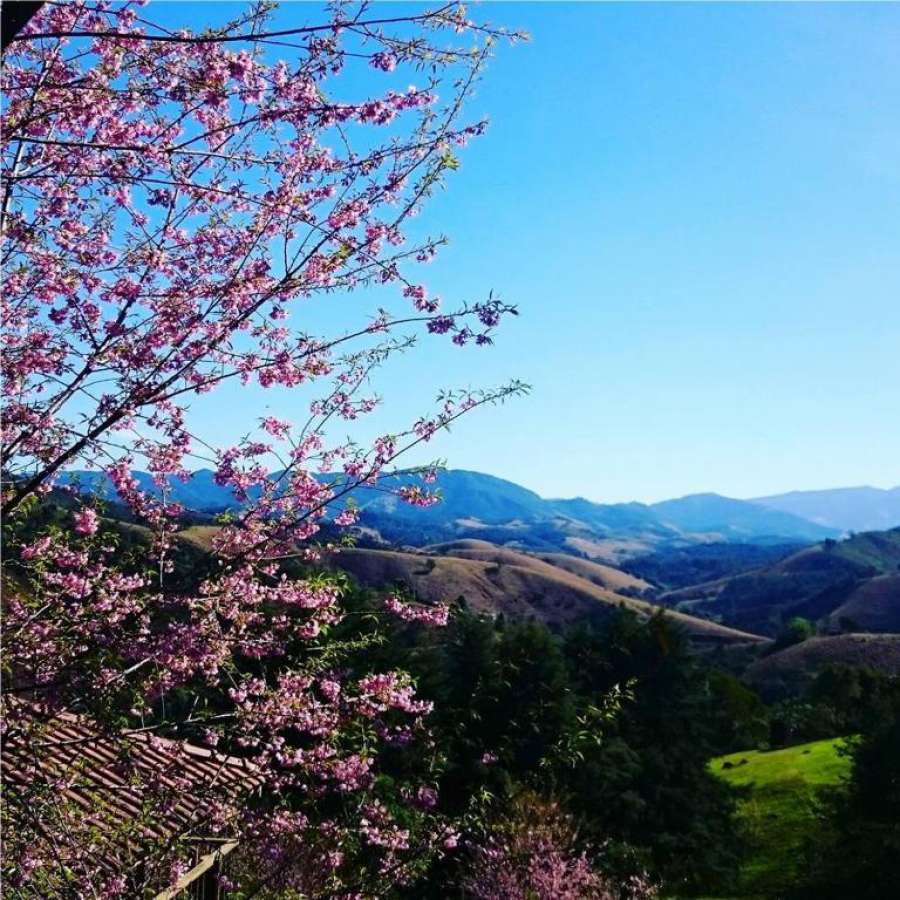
(497, 580)
(673, 568)
(776, 813)
(793, 667)
(873, 606)
(854, 579)
(601, 575)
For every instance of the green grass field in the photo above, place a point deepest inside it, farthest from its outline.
(777, 813)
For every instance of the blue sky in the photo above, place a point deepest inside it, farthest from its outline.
(697, 210)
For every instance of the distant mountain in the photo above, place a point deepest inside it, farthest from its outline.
(848, 585)
(847, 509)
(674, 568)
(485, 507)
(607, 516)
(737, 519)
(489, 499)
(199, 492)
(464, 495)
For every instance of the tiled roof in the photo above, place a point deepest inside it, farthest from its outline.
(119, 779)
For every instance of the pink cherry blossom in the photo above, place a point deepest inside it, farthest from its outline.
(430, 615)
(174, 205)
(86, 521)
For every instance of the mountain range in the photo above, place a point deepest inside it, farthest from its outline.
(732, 573)
(847, 509)
(476, 505)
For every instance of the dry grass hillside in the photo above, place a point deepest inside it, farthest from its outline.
(802, 560)
(200, 535)
(610, 550)
(602, 575)
(873, 606)
(556, 589)
(803, 661)
(703, 591)
(598, 573)
(504, 581)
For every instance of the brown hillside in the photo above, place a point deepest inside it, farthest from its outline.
(598, 573)
(709, 590)
(200, 535)
(605, 576)
(462, 544)
(496, 579)
(874, 605)
(803, 661)
(514, 584)
(703, 591)
(610, 550)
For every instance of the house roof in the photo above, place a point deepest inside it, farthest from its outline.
(134, 788)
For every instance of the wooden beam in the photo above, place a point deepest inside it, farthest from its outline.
(205, 864)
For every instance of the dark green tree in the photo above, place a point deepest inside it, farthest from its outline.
(648, 783)
(859, 856)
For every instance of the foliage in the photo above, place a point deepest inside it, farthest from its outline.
(647, 783)
(740, 717)
(778, 810)
(841, 700)
(859, 853)
(616, 724)
(795, 631)
(532, 853)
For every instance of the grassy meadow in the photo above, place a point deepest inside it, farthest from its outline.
(777, 813)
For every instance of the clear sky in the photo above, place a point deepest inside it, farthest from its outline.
(697, 209)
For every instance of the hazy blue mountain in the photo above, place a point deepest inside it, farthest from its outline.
(199, 492)
(474, 502)
(611, 517)
(737, 519)
(465, 495)
(847, 509)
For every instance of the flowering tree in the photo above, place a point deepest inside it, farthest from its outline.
(172, 202)
(532, 854)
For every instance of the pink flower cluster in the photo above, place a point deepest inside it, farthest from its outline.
(428, 615)
(86, 522)
(390, 691)
(532, 855)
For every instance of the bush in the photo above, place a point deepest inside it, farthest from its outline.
(533, 854)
